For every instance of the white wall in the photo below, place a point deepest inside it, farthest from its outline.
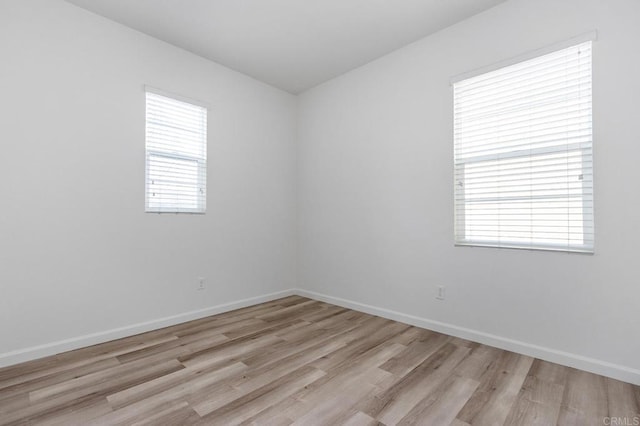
(376, 196)
(78, 255)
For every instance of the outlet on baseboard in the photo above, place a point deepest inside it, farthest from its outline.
(441, 293)
(200, 283)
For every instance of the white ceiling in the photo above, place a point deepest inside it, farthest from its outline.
(291, 44)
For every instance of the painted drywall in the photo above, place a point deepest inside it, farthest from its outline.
(78, 254)
(375, 192)
(80, 262)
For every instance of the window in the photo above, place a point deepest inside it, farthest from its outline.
(523, 154)
(176, 155)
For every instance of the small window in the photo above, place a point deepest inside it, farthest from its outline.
(523, 154)
(176, 155)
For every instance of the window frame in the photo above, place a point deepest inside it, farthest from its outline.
(200, 161)
(585, 152)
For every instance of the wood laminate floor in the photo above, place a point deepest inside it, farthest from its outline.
(302, 362)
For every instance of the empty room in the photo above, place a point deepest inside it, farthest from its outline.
(340, 212)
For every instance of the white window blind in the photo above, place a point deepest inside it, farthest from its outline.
(523, 154)
(176, 154)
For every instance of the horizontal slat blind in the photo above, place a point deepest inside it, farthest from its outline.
(523, 154)
(176, 146)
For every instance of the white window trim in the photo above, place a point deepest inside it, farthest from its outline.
(588, 209)
(201, 164)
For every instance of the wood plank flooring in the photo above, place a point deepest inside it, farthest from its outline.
(296, 361)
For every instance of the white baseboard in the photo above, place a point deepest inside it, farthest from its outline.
(596, 366)
(40, 351)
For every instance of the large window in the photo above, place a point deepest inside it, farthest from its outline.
(176, 147)
(523, 154)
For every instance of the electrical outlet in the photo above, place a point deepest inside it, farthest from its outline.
(200, 283)
(440, 295)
